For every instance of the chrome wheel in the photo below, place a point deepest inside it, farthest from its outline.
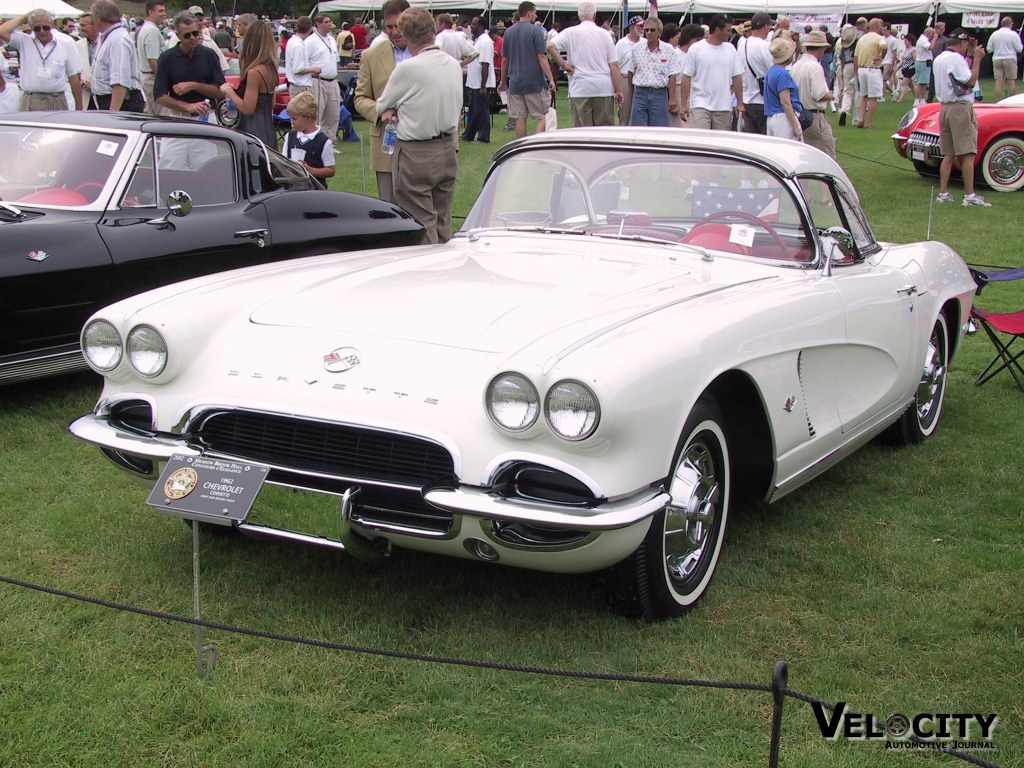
(922, 418)
(672, 568)
(690, 520)
(1002, 165)
(932, 387)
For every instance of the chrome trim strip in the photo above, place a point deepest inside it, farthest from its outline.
(825, 463)
(262, 531)
(404, 530)
(478, 502)
(42, 366)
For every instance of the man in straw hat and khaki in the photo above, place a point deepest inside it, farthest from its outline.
(814, 92)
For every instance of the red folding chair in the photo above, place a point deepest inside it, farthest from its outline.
(1011, 324)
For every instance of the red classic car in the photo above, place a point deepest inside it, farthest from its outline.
(1000, 162)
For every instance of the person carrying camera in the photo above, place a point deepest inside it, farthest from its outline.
(958, 125)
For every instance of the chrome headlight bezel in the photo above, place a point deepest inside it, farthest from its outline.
(146, 350)
(560, 396)
(907, 120)
(499, 393)
(113, 341)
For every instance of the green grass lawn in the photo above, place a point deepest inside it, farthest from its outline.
(893, 583)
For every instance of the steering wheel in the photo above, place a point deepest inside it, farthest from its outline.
(745, 217)
(89, 185)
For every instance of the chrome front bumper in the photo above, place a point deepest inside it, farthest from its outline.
(464, 500)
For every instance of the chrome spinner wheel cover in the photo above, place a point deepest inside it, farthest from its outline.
(1006, 165)
(690, 520)
(932, 384)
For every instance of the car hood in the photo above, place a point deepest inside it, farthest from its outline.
(495, 293)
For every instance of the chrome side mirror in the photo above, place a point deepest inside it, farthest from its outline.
(835, 239)
(179, 203)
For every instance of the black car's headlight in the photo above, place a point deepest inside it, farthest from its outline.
(907, 119)
(572, 410)
(147, 351)
(512, 402)
(101, 345)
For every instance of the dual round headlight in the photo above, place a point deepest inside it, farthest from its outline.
(571, 408)
(145, 348)
(101, 345)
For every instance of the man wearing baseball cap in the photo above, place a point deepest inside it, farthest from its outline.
(958, 125)
(756, 60)
(624, 50)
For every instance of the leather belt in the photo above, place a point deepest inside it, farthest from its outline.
(326, 79)
(819, 111)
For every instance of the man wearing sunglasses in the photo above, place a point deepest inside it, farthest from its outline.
(47, 65)
(188, 76)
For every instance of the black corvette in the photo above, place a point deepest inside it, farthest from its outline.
(97, 206)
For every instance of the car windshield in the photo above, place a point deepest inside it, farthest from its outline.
(717, 203)
(55, 167)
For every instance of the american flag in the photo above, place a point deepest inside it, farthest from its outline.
(758, 202)
(653, 5)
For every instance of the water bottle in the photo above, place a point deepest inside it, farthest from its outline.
(387, 144)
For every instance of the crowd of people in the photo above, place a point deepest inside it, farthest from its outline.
(418, 72)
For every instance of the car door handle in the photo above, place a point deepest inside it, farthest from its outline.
(251, 233)
(910, 290)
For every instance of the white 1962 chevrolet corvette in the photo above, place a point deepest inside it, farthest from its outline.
(632, 327)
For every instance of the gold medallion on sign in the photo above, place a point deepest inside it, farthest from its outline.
(181, 483)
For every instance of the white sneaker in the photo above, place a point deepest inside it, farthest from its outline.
(944, 197)
(976, 199)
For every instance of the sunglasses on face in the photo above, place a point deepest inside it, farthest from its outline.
(42, 28)
(189, 35)
(651, 30)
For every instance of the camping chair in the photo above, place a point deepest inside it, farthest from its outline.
(1011, 323)
(993, 323)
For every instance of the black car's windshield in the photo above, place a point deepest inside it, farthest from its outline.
(717, 203)
(55, 167)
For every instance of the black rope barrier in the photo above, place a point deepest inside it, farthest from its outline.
(777, 687)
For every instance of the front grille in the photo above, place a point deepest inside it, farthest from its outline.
(925, 141)
(330, 449)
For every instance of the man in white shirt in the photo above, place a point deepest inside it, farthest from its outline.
(296, 63)
(423, 98)
(322, 53)
(958, 125)
(85, 47)
(814, 92)
(1004, 45)
(712, 77)
(453, 41)
(624, 52)
(593, 66)
(756, 61)
(150, 44)
(46, 64)
(479, 84)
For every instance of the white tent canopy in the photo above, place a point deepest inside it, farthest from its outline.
(10, 9)
(889, 8)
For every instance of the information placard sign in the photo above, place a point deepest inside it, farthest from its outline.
(208, 490)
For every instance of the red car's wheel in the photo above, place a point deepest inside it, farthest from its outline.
(1002, 165)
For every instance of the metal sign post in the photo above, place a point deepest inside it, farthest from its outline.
(203, 668)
